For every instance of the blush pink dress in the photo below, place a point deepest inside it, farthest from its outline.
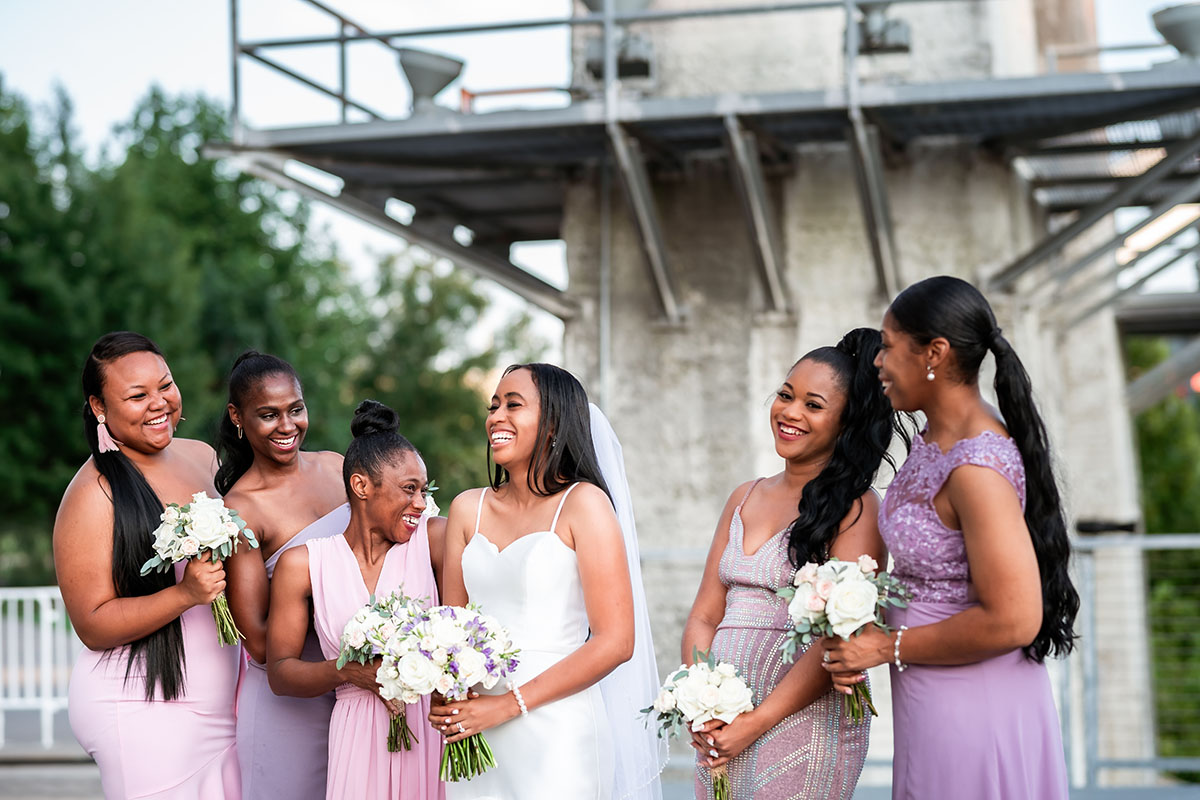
(988, 730)
(283, 741)
(360, 767)
(183, 749)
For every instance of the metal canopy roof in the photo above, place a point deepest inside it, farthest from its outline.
(502, 174)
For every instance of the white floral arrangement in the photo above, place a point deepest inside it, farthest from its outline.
(692, 696)
(366, 636)
(448, 650)
(205, 527)
(840, 598)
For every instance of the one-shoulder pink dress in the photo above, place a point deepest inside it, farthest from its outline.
(283, 741)
(988, 730)
(183, 749)
(360, 767)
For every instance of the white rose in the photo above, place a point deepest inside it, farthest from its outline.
(207, 524)
(828, 571)
(428, 643)
(417, 673)
(687, 702)
(806, 574)
(735, 698)
(664, 702)
(440, 656)
(170, 516)
(410, 698)
(431, 507)
(709, 696)
(188, 546)
(490, 680)
(726, 670)
(472, 667)
(867, 564)
(851, 605)
(447, 632)
(444, 684)
(356, 638)
(802, 606)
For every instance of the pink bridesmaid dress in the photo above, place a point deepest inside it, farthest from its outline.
(283, 741)
(183, 749)
(360, 767)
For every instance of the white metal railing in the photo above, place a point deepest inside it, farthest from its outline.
(38, 648)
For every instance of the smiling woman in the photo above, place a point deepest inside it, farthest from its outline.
(153, 730)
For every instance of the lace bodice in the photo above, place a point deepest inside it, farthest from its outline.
(930, 558)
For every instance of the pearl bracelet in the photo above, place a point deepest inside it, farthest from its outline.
(900, 667)
(512, 687)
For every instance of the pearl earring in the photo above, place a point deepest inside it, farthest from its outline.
(929, 372)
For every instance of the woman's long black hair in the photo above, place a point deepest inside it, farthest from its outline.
(866, 429)
(136, 513)
(234, 453)
(564, 453)
(377, 441)
(955, 310)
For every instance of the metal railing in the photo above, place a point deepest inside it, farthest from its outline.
(38, 648)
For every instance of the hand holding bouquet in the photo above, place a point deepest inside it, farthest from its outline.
(366, 636)
(691, 696)
(203, 527)
(840, 598)
(448, 649)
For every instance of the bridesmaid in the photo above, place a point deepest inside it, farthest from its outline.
(388, 544)
(832, 426)
(976, 527)
(286, 497)
(154, 729)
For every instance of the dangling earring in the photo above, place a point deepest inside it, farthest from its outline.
(929, 372)
(105, 442)
(239, 427)
(553, 442)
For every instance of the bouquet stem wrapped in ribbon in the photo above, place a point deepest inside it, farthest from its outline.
(448, 650)
(364, 639)
(840, 598)
(691, 696)
(203, 527)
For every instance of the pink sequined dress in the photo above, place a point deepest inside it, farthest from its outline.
(988, 730)
(816, 752)
(360, 767)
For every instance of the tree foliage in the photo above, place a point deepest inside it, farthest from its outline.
(206, 262)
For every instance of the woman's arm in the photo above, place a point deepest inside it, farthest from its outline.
(462, 511)
(287, 627)
(1004, 573)
(435, 529)
(805, 681)
(83, 550)
(249, 590)
(708, 609)
(589, 519)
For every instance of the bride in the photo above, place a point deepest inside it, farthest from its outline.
(550, 550)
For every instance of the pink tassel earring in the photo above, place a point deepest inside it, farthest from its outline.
(106, 442)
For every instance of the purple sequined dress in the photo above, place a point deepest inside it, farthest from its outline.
(816, 752)
(988, 730)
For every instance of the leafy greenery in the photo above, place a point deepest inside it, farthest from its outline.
(1168, 438)
(207, 262)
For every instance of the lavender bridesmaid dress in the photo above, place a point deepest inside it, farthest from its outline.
(816, 752)
(986, 730)
(360, 767)
(183, 749)
(283, 742)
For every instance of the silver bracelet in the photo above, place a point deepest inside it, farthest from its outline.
(900, 666)
(512, 687)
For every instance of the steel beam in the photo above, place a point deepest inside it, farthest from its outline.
(1088, 217)
(868, 172)
(1063, 297)
(1185, 194)
(544, 295)
(1145, 392)
(1166, 314)
(745, 157)
(1128, 290)
(325, 90)
(641, 200)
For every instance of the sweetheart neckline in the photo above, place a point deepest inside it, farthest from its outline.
(500, 551)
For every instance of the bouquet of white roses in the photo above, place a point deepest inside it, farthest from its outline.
(202, 527)
(364, 638)
(840, 598)
(448, 649)
(691, 696)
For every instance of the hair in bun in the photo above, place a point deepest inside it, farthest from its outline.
(372, 418)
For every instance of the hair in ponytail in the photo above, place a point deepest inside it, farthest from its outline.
(136, 513)
(234, 453)
(955, 310)
(377, 442)
(866, 429)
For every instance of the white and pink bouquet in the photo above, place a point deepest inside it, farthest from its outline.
(448, 650)
(202, 528)
(691, 696)
(365, 638)
(840, 598)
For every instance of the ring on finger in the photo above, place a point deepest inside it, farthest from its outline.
(825, 657)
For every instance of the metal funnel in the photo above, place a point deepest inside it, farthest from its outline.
(1180, 26)
(427, 73)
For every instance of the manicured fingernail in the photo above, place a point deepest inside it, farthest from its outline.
(712, 753)
(454, 712)
(711, 741)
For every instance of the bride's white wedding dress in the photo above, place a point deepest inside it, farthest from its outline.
(563, 749)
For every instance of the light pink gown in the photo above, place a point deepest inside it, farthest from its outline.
(179, 750)
(283, 741)
(360, 767)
